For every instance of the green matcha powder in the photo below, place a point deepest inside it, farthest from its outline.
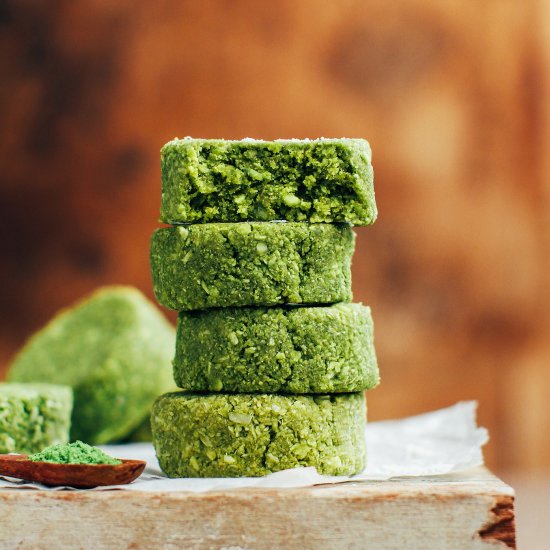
(74, 453)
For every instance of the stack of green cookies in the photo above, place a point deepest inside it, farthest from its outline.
(272, 357)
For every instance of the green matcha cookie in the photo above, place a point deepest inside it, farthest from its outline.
(114, 349)
(242, 264)
(225, 435)
(281, 349)
(324, 180)
(33, 416)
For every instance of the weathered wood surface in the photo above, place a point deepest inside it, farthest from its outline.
(470, 510)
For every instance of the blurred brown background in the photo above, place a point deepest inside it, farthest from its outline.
(452, 95)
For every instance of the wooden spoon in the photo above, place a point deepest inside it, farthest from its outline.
(82, 476)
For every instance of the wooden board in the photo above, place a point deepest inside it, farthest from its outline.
(469, 510)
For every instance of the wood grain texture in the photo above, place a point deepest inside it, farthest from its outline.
(466, 511)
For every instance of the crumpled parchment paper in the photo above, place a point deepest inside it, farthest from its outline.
(434, 443)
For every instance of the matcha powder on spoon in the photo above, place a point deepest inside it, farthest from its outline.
(74, 453)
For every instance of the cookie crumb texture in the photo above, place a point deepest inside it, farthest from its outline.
(33, 416)
(251, 264)
(281, 349)
(227, 435)
(323, 180)
(114, 349)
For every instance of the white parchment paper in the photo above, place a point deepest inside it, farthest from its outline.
(434, 443)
